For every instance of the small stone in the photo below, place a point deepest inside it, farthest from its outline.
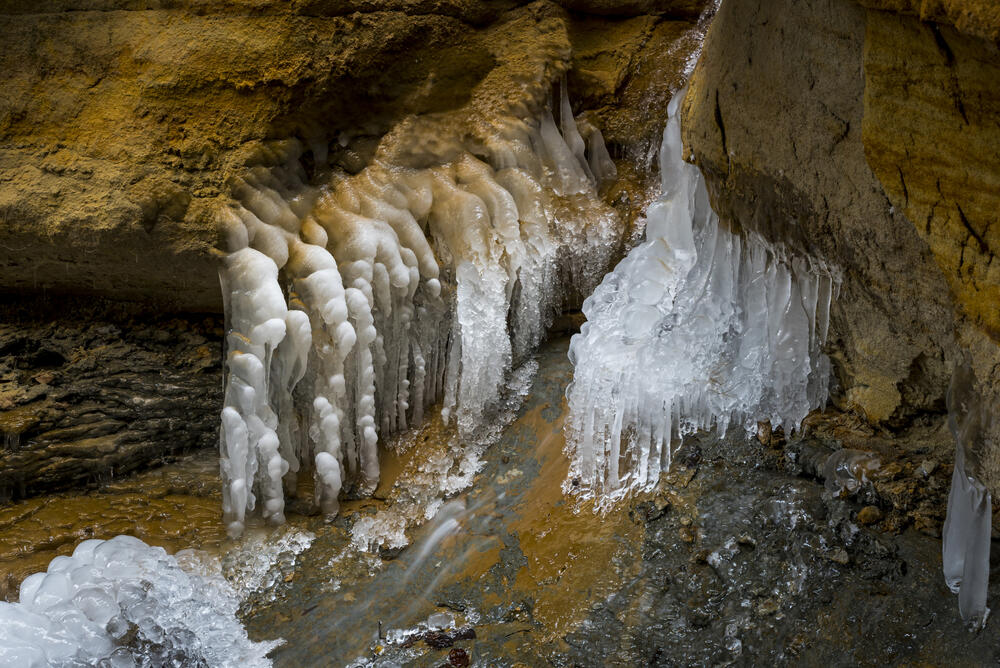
(889, 472)
(838, 556)
(764, 433)
(768, 606)
(438, 640)
(927, 467)
(687, 534)
(659, 507)
(458, 657)
(869, 515)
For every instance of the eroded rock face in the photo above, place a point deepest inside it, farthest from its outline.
(807, 118)
(120, 122)
(87, 393)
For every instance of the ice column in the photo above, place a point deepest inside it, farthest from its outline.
(696, 328)
(967, 526)
(354, 305)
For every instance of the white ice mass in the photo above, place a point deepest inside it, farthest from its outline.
(696, 328)
(968, 524)
(120, 602)
(354, 306)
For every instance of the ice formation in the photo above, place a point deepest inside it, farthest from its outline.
(355, 305)
(696, 328)
(121, 602)
(846, 470)
(967, 526)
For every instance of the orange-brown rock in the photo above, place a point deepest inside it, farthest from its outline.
(870, 138)
(121, 120)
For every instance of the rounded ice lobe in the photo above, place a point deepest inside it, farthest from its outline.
(126, 603)
(354, 305)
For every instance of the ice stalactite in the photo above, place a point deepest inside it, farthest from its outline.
(968, 524)
(354, 305)
(696, 328)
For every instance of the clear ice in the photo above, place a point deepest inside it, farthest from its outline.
(696, 328)
(355, 305)
(120, 602)
(965, 547)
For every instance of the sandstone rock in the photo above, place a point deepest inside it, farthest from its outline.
(979, 18)
(869, 515)
(801, 117)
(121, 120)
(931, 131)
(689, 9)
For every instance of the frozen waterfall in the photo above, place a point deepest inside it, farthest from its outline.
(355, 305)
(696, 328)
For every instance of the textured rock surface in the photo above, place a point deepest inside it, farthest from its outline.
(980, 18)
(121, 121)
(87, 395)
(931, 132)
(802, 114)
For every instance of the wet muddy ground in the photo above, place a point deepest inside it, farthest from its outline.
(732, 560)
(728, 562)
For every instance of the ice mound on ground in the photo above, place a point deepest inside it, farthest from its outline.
(967, 526)
(696, 328)
(120, 602)
(354, 306)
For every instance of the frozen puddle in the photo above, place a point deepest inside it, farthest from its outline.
(121, 602)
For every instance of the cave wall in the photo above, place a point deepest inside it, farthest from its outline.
(869, 137)
(90, 392)
(121, 121)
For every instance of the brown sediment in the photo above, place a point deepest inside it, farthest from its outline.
(568, 547)
(175, 507)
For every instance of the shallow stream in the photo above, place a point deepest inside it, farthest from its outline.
(727, 561)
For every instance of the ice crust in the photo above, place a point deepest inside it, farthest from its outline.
(354, 306)
(696, 328)
(121, 602)
(965, 546)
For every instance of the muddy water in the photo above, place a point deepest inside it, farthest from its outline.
(511, 557)
(176, 506)
(729, 561)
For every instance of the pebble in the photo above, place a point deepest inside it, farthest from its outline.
(838, 556)
(869, 515)
(458, 657)
(768, 606)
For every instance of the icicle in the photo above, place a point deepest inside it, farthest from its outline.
(694, 328)
(257, 317)
(354, 306)
(965, 545)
